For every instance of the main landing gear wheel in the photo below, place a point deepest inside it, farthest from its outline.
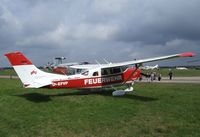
(123, 92)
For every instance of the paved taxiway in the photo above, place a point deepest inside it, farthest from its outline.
(9, 76)
(175, 80)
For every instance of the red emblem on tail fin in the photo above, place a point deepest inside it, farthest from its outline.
(33, 72)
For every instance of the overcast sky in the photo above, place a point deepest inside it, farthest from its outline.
(88, 30)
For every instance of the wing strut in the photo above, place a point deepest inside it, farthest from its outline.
(130, 88)
(136, 68)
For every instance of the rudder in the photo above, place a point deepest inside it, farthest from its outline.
(29, 74)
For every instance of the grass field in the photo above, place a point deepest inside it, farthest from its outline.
(153, 110)
(7, 72)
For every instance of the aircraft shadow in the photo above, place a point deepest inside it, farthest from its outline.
(35, 97)
(39, 97)
(140, 98)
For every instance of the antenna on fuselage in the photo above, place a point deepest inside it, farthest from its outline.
(107, 61)
(97, 62)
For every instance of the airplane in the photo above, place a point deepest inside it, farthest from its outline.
(65, 67)
(89, 76)
(181, 68)
(149, 67)
(62, 68)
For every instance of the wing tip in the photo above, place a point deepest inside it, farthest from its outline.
(187, 54)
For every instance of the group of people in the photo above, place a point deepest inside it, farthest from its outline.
(153, 76)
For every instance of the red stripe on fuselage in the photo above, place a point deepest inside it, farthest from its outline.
(96, 82)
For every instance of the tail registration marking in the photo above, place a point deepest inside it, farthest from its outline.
(64, 83)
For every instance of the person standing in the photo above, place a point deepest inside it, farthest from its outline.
(170, 75)
(152, 76)
(159, 77)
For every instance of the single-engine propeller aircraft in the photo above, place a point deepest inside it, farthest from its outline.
(86, 76)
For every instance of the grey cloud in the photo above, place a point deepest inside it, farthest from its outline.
(161, 21)
(118, 30)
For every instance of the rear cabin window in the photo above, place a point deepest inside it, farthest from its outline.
(105, 71)
(78, 71)
(95, 73)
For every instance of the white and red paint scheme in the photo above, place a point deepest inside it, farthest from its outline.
(91, 76)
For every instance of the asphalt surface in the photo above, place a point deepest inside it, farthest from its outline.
(174, 80)
(163, 80)
(9, 76)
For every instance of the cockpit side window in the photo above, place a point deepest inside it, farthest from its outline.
(116, 70)
(123, 68)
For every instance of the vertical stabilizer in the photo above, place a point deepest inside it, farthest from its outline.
(30, 75)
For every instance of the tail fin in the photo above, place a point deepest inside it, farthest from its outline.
(29, 74)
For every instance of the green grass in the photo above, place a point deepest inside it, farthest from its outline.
(153, 110)
(7, 72)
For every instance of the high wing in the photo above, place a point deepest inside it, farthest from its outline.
(186, 54)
